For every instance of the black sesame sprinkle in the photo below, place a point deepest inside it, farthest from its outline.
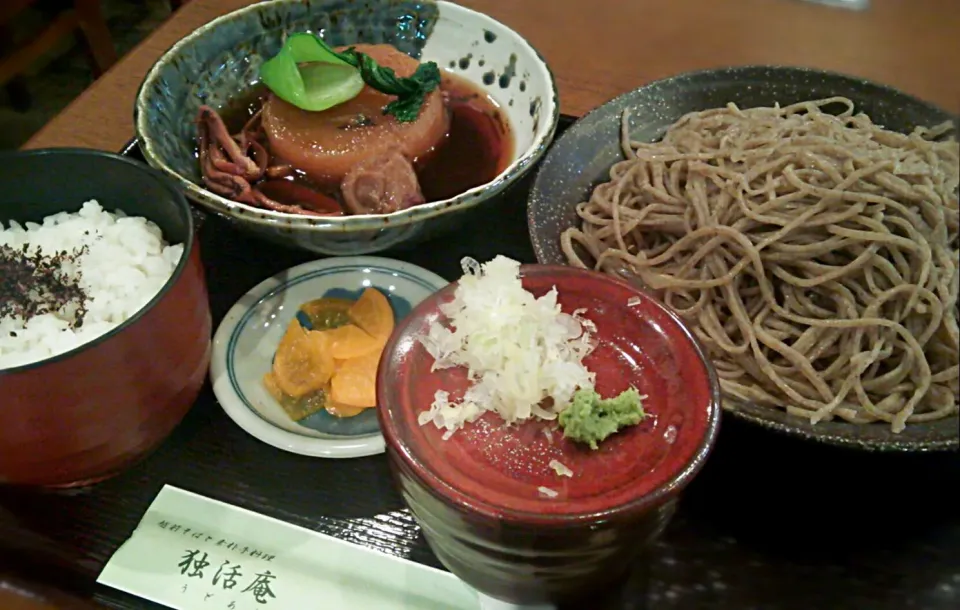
(34, 283)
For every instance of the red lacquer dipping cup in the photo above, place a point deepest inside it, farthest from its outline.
(89, 413)
(477, 495)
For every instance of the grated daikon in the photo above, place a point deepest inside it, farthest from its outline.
(560, 468)
(518, 350)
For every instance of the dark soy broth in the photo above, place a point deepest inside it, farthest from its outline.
(477, 148)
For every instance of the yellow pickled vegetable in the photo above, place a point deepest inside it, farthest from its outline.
(350, 341)
(372, 312)
(303, 362)
(355, 382)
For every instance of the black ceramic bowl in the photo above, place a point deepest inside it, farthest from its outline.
(582, 157)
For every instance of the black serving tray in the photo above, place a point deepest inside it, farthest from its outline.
(772, 523)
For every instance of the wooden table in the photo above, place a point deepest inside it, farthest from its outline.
(601, 48)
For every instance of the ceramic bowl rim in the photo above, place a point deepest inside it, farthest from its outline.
(244, 415)
(343, 224)
(453, 498)
(176, 198)
(837, 439)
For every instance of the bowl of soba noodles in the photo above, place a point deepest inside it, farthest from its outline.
(804, 224)
(347, 127)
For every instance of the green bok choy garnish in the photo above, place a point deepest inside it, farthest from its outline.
(309, 74)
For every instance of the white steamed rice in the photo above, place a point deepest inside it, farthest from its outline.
(125, 266)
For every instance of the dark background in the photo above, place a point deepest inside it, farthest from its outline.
(64, 73)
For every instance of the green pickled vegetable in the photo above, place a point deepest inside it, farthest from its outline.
(309, 74)
(590, 419)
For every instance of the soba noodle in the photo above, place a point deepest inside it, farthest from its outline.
(814, 254)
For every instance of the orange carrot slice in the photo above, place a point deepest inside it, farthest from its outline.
(303, 362)
(355, 382)
(372, 312)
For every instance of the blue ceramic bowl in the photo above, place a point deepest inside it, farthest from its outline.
(221, 60)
